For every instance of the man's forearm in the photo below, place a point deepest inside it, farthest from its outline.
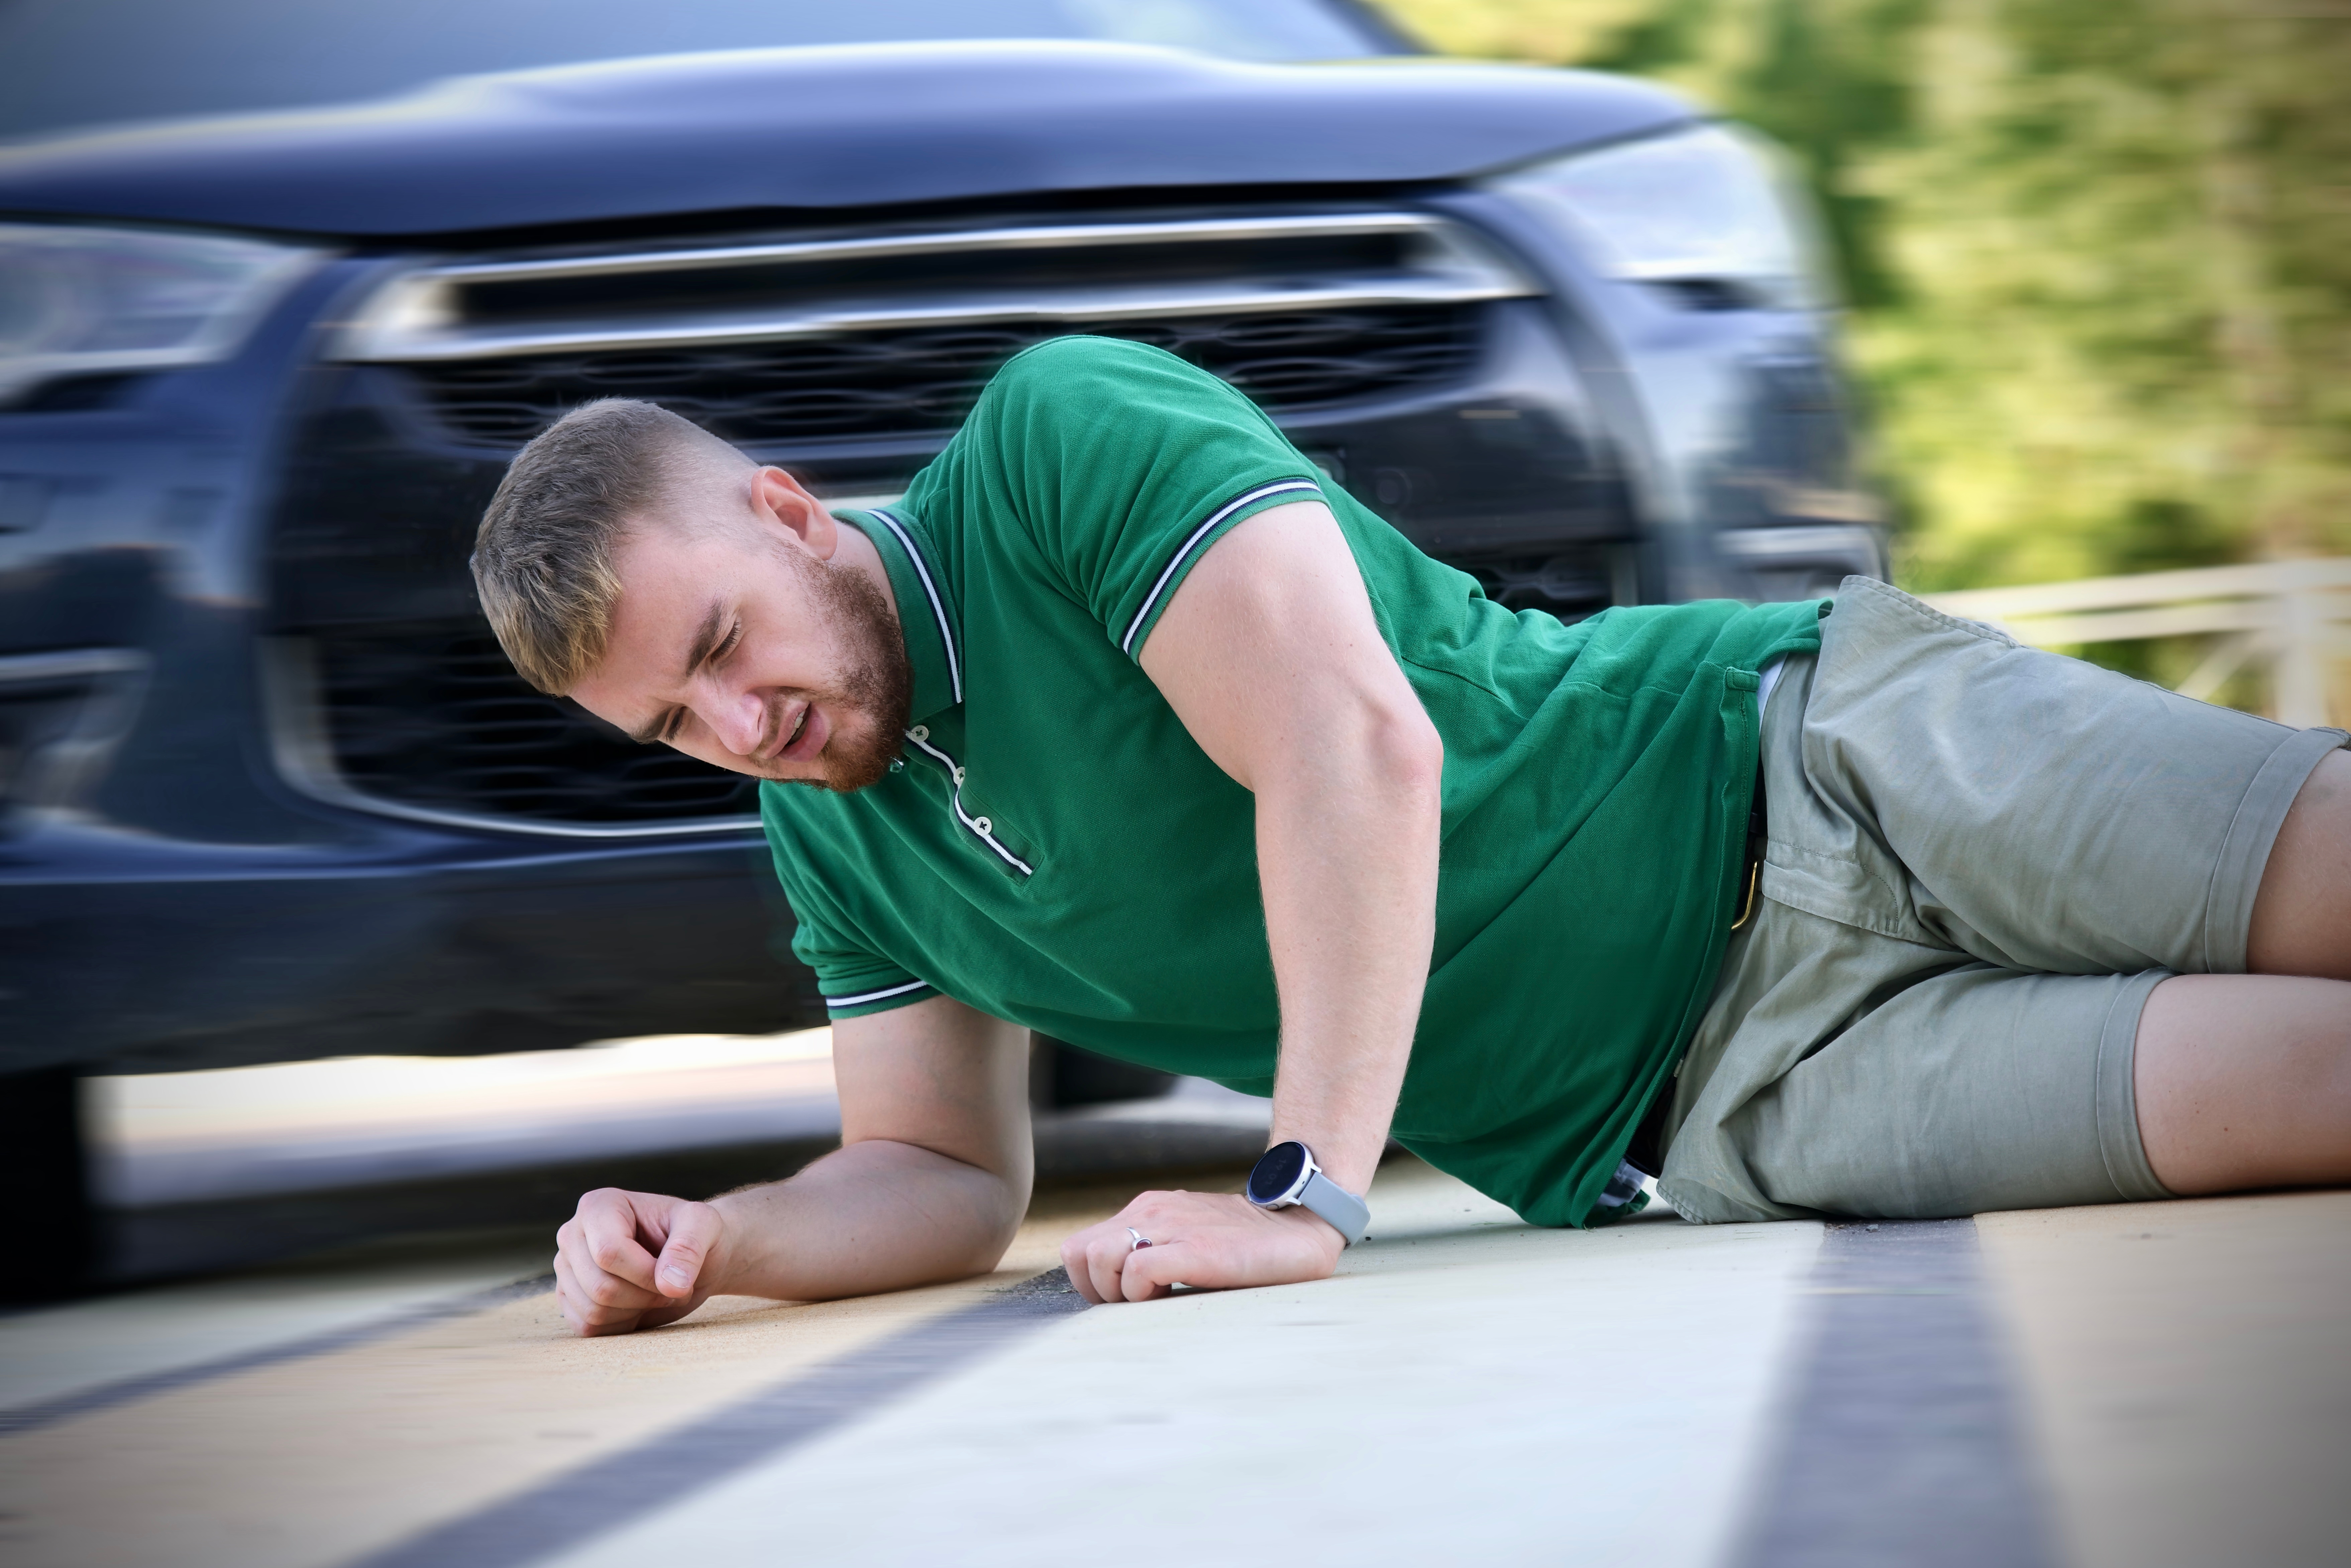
(874, 1216)
(1347, 853)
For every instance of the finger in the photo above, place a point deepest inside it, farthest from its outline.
(1104, 1258)
(693, 1230)
(597, 1287)
(1151, 1271)
(564, 1293)
(1081, 1252)
(585, 1317)
(609, 1222)
(580, 1309)
(1073, 1264)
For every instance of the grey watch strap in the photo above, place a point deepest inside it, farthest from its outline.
(1348, 1214)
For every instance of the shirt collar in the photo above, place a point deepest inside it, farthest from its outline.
(926, 611)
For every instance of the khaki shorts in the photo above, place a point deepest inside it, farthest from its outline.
(1982, 858)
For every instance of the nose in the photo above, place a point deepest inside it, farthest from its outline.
(738, 718)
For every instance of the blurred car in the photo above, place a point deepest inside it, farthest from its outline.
(268, 788)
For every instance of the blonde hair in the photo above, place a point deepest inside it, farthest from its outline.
(542, 558)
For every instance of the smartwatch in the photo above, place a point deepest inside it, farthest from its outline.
(1286, 1174)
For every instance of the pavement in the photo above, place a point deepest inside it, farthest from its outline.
(2149, 1385)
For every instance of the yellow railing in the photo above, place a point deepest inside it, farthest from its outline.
(2294, 616)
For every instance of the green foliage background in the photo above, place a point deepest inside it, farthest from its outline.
(2098, 253)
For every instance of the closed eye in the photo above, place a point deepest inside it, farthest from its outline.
(666, 730)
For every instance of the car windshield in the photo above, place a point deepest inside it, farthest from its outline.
(69, 63)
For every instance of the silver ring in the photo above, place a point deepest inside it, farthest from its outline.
(1137, 1239)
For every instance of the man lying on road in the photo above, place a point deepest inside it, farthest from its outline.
(1127, 727)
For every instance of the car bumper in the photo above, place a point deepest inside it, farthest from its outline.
(123, 954)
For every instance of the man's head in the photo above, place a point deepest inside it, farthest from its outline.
(677, 590)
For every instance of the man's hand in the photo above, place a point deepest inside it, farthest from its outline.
(929, 1184)
(1212, 1240)
(630, 1260)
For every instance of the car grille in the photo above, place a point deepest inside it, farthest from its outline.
(848, 355)
(432, 715)
(926, 382)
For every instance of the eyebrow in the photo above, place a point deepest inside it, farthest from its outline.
(705, 640)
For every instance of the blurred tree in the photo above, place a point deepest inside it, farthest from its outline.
(2124, 234)
(2098, 252)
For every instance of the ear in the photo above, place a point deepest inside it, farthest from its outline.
(781, 501)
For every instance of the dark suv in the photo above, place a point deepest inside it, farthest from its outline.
(267, 787)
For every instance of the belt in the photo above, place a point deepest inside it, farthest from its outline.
(1645, 1152)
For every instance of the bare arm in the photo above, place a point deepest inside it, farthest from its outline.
(1270, 655)
(930, 1183)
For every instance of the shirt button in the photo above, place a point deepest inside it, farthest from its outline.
(897, 767)
(959, 775)
(920, 732)
(983, 824)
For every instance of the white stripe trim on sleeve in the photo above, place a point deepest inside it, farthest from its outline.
(1126, 644)
(946, 634)
(875, 996)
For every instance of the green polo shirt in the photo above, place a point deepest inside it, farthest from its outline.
(1054, 850)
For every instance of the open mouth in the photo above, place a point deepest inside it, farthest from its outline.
(806, 739)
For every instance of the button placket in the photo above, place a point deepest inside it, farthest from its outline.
(985, 828)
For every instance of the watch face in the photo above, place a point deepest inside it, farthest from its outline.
(1278, 1170)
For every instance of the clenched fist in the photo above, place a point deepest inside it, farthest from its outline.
(629, 1260)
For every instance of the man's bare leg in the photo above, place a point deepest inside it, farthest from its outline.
(2301, 917)
(2244, 1081)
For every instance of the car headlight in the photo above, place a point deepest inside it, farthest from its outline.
(101, 301)
(1707, 211)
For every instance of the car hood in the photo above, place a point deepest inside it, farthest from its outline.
(818, 128)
